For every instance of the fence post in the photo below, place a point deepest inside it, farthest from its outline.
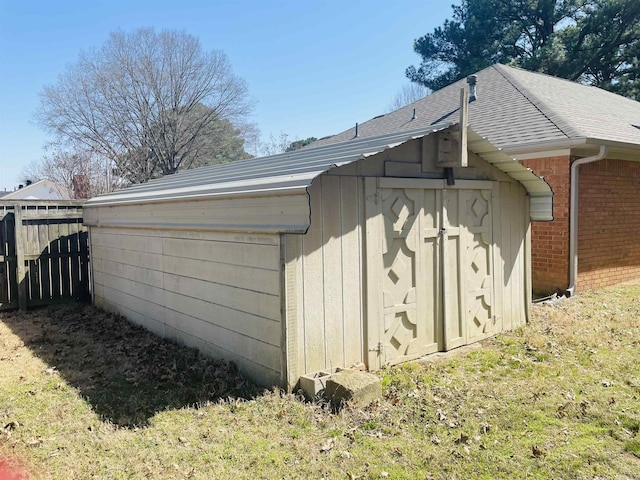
(20, 254)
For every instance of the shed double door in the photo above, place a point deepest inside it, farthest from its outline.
(429, 266)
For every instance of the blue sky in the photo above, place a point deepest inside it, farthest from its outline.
(315, 68)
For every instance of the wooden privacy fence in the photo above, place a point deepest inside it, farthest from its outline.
(44, 253)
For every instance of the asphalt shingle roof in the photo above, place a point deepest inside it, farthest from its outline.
(516, 107)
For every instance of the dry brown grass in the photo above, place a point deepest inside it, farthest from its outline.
(85, 395)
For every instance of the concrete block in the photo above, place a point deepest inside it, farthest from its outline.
(353, 387)
(314, 384)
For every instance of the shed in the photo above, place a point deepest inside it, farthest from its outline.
(362, 251)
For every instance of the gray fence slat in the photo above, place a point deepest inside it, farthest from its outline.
(44, 255)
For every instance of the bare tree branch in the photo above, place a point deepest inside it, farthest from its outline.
(143, 99)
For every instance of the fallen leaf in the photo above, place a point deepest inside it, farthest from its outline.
(560, 412)
(11, 426)
(537, 452)
(328, 445)
(34, 442)
(584, 405)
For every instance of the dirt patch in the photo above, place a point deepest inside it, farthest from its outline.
(126, 373)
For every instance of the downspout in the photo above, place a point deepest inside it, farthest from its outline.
(573, 217)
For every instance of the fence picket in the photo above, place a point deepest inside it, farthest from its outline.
(44, 254)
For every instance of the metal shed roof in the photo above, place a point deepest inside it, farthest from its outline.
(295, 171)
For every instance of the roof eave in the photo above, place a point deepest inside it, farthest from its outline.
(575, 146)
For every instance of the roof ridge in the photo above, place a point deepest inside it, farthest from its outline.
(556, 118)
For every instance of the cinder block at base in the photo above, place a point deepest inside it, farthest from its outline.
(314, 384)
(354, 387)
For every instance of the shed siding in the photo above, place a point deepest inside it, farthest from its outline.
(511, 253)
(262, 213)
(325, 268)
(218, 292)
(324, 274)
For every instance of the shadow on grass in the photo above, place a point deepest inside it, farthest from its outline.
(126, 373)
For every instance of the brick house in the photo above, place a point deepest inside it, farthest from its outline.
(583, 140)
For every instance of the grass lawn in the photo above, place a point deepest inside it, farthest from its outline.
(83, 394)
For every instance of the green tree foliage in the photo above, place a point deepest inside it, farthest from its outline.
(298, 144)
(146, 101)
(596, 42)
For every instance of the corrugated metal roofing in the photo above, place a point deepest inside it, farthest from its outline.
(295, 171)
(286, 171)
(516, 107)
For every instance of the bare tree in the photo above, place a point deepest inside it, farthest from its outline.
(81, 172)
(274, 145)
(410, 93)
(138, 100)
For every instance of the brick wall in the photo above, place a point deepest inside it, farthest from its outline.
(550, 240)
(608, 223)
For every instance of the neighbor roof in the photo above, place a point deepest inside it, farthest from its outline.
(41, 190)
(516, 108)
(295, 171)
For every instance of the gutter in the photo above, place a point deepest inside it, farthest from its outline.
(573, 217)
(571, 143)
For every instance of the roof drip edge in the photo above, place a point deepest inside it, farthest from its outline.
(289, 174)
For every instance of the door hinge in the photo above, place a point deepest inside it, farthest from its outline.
(378, 348)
